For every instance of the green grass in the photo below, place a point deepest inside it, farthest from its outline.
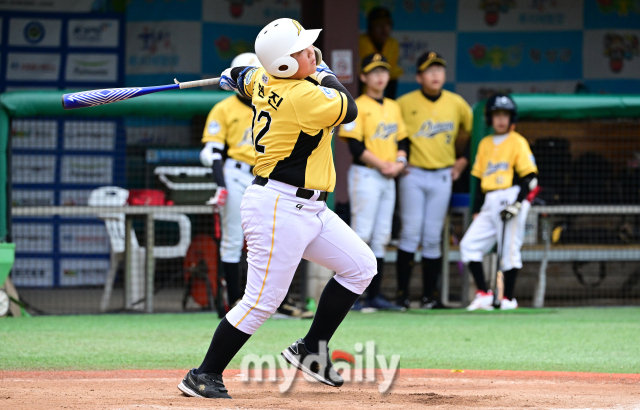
(587, 339)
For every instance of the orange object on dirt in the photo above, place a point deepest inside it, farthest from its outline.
(202, 259)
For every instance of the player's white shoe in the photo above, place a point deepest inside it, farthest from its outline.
(507, 304)
(483, 300)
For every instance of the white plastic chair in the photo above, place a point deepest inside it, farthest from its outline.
(115, 224)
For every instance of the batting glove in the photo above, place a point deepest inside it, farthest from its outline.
(219, 199)
(226, 82)
(207, 155)
(322, 71)
(510, 211)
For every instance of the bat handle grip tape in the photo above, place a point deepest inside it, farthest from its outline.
(199, 83)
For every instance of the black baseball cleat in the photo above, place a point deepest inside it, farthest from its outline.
(207, 385)
(320, 369)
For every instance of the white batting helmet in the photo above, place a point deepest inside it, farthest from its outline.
(278, 40)
(245, 59)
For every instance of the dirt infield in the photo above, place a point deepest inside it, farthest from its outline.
(443, 389)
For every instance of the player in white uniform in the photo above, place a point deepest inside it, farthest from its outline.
(229, 125)
(284, 214)
(433, 117)
(378, 142)
(500, 159)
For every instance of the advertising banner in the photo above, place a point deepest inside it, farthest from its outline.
(33, 237)
(33, 169)
(89, 135)
(79, 272)
(32, 272)
(611, 54)
(78, 169)
(83, 239)
(100, 68)
(32, 32)
(33, 66)
(512, 15)
(93, 33)
(34, 134)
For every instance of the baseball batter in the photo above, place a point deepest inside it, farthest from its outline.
(500, 160)
(378, 142)
(433, 117)
(229, 125)
(296, 105)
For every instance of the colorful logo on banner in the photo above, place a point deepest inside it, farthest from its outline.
(34, 32)
(495, 57)
(618, 47)
(228, 48)
(157, 43)
(493, 8)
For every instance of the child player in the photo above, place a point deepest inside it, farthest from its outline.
(229, 125)
(378, 142)
(297, 101)
(501, 160)
(433, 117)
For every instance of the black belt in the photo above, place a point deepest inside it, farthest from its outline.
(300, 193)
(239, 166)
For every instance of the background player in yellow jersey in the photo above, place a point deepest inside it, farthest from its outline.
(284, 214)
(378, 142)
(500, 160)
(433, 117)
(229, 125)
(378, 39)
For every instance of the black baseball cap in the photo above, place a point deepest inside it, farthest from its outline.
(379, 13)
(429, 58)
(373, 61)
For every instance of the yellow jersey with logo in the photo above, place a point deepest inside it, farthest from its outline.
(433, 127)
(229, 123)
(293, 122)
(495, 164)
(379, 126)
(390, 50)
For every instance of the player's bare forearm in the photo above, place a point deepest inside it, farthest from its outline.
(370, 159)
(458, 168)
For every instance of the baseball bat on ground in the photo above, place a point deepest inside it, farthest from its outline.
(106, 96)
(499, 276)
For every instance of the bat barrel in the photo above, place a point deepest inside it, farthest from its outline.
(106, 96)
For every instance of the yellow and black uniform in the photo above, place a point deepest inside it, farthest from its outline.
(229, 124)
(495, 165)
(433, 126)
(379, 126)
(293, 122)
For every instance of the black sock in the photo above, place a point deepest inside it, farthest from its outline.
(509, 283)
(478, 275)
(431, 269)
(226, 342)
(373, 290)
(231, 273)
(404, 267)
(335, 302)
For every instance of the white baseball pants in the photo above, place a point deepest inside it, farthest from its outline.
(237, 181)
(372, 198)
(486, 230)
(280, 229)
(424, 201)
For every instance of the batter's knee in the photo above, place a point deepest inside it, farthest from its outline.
(357, 277)
(248, 315)
(432, 250)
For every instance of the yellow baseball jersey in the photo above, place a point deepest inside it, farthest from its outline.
(229, 123)
(379, 126)
(495, 164)
(293, 122)
(433, 127)
(390, 50)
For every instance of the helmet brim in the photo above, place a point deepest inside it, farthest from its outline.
(306, 38)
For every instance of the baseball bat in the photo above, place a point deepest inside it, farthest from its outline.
(110, 95)
(499, 276)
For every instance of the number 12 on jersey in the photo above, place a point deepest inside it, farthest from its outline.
(256, 119)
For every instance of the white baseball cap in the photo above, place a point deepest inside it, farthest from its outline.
(245, 59)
